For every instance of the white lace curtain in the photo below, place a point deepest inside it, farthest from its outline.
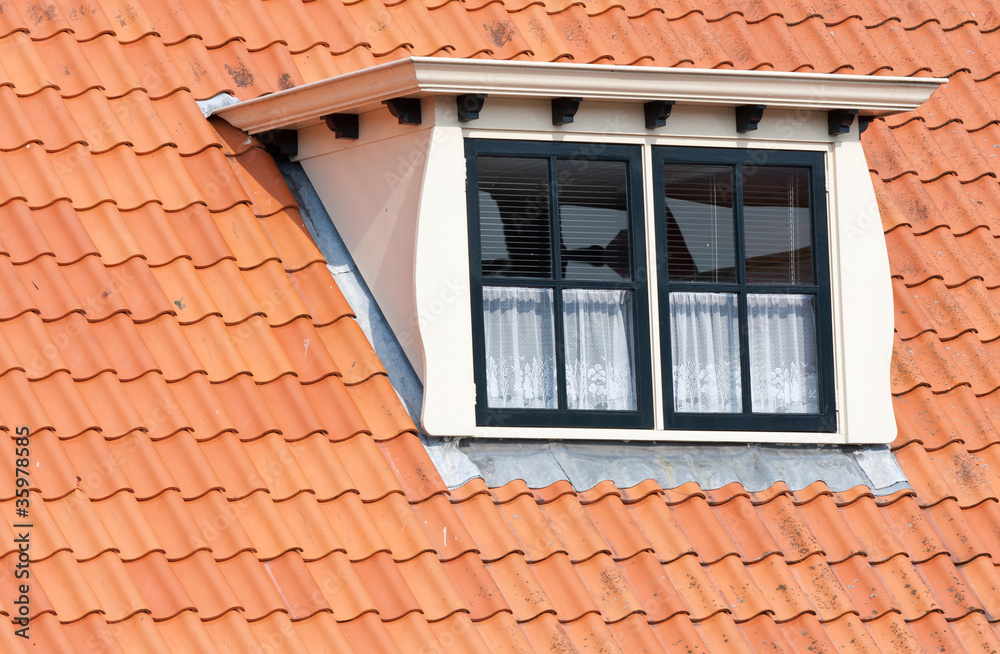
(705, 348)
(520, 348)
(704, 335)
(598, 328)
(783, 354)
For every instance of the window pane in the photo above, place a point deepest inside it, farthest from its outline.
(593, 219)
(520, 348)
(514, 218)
(783, 353)
(600, 355)
(701, 244)
(705, 347)
(777, 225)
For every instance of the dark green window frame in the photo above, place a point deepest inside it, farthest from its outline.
(561, 416)
(825, 419)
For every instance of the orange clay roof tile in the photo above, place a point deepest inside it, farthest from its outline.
(217, 528)
(704, 529)
(255, 26)
(341, 586)
(659, 598)
(389, 592)
(297, 339)
(375, 400)
(480, 593)
(276, 467)
(493, 539)
(538, 537)
(701, 596)
(662, 528)
(359, 531)
(65, 406)
(54, 472)
(197, 477)
(64, 231)
(115, 76)
(420, 481)
(238, 69)
(193, 66)
(50, 122)
(22, 237)
(445, 533)
(262, 521)
(427, 578)
(680, 631)
(295, 418)
(610, 593)
(297, 28)
(164, 515)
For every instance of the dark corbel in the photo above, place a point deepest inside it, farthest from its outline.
(563, 110)
(469, 106)
(657, 113)
(344, 126)
(280, 142)
(840, 120)
(748, 115)
(406, 110)
(863, 123)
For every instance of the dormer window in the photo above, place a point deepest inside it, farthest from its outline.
(722, 276)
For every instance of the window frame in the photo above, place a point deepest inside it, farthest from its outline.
(826, 419)
(643, 416)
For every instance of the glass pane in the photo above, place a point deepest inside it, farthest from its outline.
(600, 355)
(514, 219)
(701, 243)
(520, 348)
(783, 354)
(777, 225)
(705, 348)
(593, 219)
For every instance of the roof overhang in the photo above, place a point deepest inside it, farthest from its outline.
(418, 77)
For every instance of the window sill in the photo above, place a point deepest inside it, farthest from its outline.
(874, 435)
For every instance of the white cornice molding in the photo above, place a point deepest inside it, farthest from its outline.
(364, 90)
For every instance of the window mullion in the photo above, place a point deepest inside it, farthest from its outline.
(741, 279)
(557, 300)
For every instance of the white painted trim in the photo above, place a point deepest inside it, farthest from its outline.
(364, 90)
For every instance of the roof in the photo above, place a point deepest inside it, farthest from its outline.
(219, 462)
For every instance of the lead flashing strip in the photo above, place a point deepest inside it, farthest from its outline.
(584, 465)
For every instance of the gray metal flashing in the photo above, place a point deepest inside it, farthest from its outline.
(584, 464)
(216, 102)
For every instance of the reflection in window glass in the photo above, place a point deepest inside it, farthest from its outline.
(593, 219)
(777, 225)
(701, 243)
(514, 217)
